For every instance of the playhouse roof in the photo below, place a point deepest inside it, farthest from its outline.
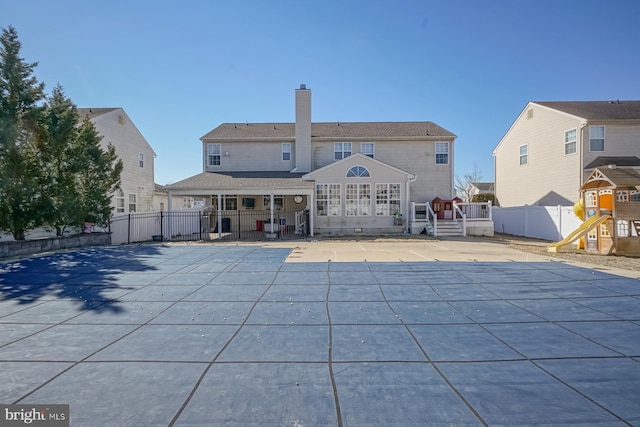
(620, 178)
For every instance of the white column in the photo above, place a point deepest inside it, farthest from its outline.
(219, 211)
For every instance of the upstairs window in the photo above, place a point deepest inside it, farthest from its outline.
(596, 138)
(358, 172)
(341, 150)
(141, 160)
(524, 154)
(368, 149)
(286, 151)
(213, 154)
(442, 153)
(570, 141)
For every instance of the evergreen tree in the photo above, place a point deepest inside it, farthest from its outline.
(20, 92)
(99, 175)
(59, 163)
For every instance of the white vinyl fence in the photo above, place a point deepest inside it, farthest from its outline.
(541, 222)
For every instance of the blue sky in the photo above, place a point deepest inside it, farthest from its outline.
(181, 68)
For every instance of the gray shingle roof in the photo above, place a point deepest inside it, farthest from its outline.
(341, 130)
(597, 110)
(259, 181)
(618, 161)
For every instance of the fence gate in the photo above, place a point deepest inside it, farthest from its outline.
(207, 225)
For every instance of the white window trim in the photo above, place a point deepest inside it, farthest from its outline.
(437, 152)
(358, 172)
(574, 142)
(604, 138)
(141, 160)
(286, 149)
(342, 150)
(133, 202)
(209, 154)
(372, 154)
(333, 209)
(120, 205)
(525, 155)
(361, 204)
(386, 202)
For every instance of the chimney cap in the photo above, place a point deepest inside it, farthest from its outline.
(303, 86)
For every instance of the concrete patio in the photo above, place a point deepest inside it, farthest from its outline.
(309, 334)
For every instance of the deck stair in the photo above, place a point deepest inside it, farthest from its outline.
(449, 228)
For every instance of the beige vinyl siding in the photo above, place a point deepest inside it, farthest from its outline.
(550, 177)
(118, 129)
(379, 174)
(416, 157)
(250, 156)
(620, 140)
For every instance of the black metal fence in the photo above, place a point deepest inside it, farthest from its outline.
(240, 225)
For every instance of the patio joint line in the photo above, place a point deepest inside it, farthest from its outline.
(84, 359)
(580, 393)
(334, 385)
(426, 355)
(224, 347)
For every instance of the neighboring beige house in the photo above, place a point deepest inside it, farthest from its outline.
(349, 176)
(137, 185)
(551, 148)
(477, 188)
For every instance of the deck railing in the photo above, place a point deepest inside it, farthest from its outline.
(476, 211)
(463, 212)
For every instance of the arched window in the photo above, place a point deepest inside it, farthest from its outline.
(358, 172)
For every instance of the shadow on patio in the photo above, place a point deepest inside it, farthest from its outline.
(91, 277)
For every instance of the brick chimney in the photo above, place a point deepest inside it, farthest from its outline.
(303, 129)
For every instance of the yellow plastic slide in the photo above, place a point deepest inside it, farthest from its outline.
(584, 228)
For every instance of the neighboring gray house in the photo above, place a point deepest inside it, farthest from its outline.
(137, 185)
(551, 148)
(351, 177)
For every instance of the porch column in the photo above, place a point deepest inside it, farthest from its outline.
(273, 230)
(219, 211)
(312, 212)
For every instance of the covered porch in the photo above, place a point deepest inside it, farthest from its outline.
(249, 206)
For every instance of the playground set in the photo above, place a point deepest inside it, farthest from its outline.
(609, 205)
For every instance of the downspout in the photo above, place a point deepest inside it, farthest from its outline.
(581, 154)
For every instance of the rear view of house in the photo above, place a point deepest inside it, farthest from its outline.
(332, 177)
